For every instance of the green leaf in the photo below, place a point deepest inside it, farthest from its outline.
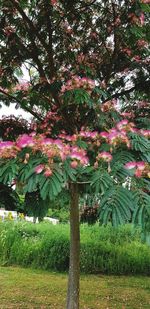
(82, 144)
(101, 181)
(141, 215)
(145, 7)
(116, 206)
(69, 173)
(8, 171)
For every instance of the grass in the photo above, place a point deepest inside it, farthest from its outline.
(35, 289)
(104, 250)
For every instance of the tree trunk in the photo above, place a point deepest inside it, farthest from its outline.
(74, 272)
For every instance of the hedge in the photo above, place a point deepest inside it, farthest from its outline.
(104, 250)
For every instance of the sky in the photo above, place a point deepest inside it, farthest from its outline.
(7, 111)
(11, 110)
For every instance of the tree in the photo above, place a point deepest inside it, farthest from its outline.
(9, 198)
(87, 60)
(11, 127)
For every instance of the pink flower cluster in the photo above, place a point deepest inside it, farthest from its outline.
(56, 148)
(142, 43)
(53, 2)
(23, 86)
(142, 169)
(109, 105)
(118, 135)
(25, 140)
(79, 82)
(145, 133)
(105, 156)
(66, 147)
(137, 19)
(8, 150)
(9, 30)
(145, 1)
(92, 135)
(128, 115)
(51, 148)
(47, 170)
(143, 104)
(127, 51)
(47, 124)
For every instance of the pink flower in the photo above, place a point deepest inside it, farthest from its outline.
(25, 141)
(53, 2)
(104, 134)
(88, 134)
(142, 19)
(74, 164)
(138, 173)
(142, 43)
(63, 88)
(39, 168)
(8, 149)
(6, 145)
(127, 51)
(145, 1)
(136, 58)
(47, 141)
(106, 156)
(109, 105)
(127, 114)
(78, 82)
(48, 172)
(145, 133)
(113, 136)
(130, 165)
(23, 86)
(140, 165)
(121, 124)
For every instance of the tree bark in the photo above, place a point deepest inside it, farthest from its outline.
(74, 271)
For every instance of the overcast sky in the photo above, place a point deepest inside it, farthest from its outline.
(11, 110)
(6, 111)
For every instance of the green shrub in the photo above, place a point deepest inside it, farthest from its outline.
(61, 214)
(105, 250)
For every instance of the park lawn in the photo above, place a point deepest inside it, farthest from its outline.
(27, 288)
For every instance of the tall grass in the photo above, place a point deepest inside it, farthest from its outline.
(103, 249)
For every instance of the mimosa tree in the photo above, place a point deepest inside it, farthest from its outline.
(86, 61)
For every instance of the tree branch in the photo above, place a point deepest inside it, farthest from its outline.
(27, 109)
(87, 5)
(32, 54)
(32, 30)
(50, 32)
(114, 55)
(138, 86)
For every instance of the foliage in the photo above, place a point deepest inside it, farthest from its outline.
(11, 127)
(61, 214)
(103, 249)
(85, 61)
(88, 93)
(9, 198)
(35, 206)
(89, 214)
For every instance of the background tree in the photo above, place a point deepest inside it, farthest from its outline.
(86, 61)
(11, 127)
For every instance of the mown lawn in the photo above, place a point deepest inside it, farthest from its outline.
(28, 288)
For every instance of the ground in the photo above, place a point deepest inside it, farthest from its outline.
(35, 289)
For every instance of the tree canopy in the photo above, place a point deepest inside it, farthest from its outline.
(88, 91)
(106, 41)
